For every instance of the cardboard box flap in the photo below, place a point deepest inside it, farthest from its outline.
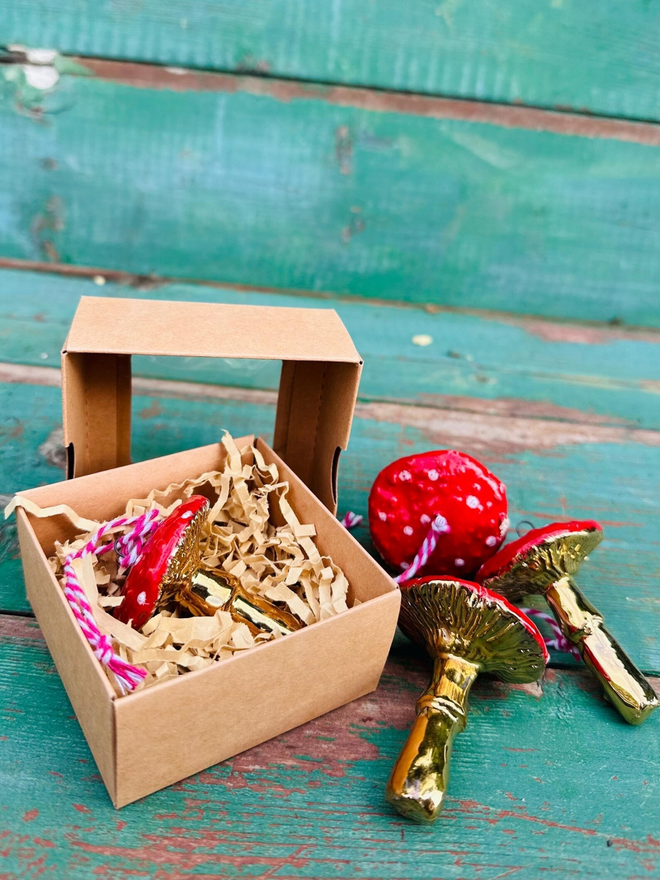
(318, 388)
(192, 329)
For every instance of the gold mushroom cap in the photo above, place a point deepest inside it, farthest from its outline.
(541, 557)
(466, 629)
(450, 616)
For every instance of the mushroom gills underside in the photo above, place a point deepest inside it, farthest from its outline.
(447, 618)
(539, 566)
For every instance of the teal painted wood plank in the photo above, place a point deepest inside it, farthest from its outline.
(473, 362)
(203, 178)
(552, 470)
(596, 57)
(552, 783)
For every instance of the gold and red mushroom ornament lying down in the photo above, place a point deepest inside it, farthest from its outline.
(545, 561)
(216, 576)
(170, 574)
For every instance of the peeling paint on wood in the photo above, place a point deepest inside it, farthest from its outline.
(483, 363)
(504, 435)
(539, 783)
(590, 58)
(442, 211)
(144, 76)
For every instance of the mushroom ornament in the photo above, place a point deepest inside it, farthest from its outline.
(170, 556)
(545, 561)
(444, 495)
(170, 573)
(466, 629)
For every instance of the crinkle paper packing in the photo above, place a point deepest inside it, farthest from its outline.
(251, 532)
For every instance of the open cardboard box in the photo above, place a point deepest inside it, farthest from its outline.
(149, 739)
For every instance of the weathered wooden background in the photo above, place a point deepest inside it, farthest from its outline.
(483, 174)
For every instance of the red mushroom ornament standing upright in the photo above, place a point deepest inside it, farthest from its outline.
(444, 490)
(545, 561)
(466, 630)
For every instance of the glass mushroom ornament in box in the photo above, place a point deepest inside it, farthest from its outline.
(169, 573)
(446, 503)
(466, 629)
(545, 561)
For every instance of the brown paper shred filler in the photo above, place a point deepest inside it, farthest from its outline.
(278, 562)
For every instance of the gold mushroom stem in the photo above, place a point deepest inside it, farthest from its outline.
(209, 591)
(420, 776)
(583, 625)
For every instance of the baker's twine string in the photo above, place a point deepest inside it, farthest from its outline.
(439, 526)
(351, 520)
(560, 642)
(128, 548)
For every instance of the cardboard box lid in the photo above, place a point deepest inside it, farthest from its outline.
(318, 387)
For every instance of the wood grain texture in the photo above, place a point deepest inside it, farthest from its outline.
(596, 58)
(542, 782)
(490, 364)
(552, 470)
(286, 189)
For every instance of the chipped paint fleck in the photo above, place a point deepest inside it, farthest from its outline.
(422, 339)
(344, 149)
(52, 449)
(34, 75)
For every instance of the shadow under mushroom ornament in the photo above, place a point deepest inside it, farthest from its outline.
(466, 629)
(544, 561)
(169, 573)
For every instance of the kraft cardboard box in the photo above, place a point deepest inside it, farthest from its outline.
(151, 738)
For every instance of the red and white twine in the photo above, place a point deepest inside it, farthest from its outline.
(560, 642)
(351, 520)
(128, 548)
(439, 526)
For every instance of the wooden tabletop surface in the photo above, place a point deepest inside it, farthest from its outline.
(474, 188)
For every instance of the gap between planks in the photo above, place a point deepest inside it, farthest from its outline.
(179, 79)
(617, 329)
(505, 433)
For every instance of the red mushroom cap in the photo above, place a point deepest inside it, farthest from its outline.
(408, 494)
(502, 561)
(160, 561)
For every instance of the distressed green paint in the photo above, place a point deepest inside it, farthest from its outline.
(533, 368)
(596, 57)
(539, 784)
(616, 482)
(310, 195)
